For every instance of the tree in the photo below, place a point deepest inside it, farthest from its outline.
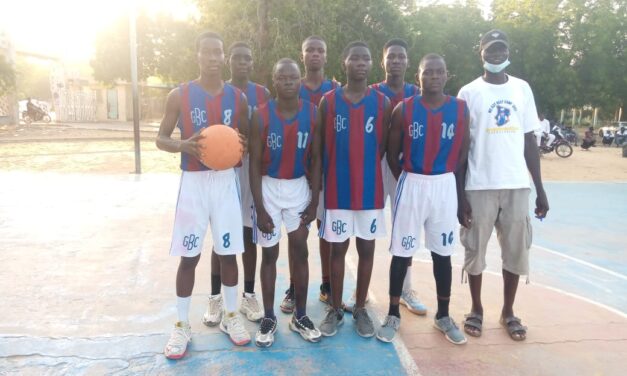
(7, 76)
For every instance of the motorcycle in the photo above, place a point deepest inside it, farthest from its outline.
(620, 137)
(561, 147)
(35, 114)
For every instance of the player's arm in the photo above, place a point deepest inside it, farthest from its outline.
(168, 123)
(315, 175)
(395, 141)
(464, 211)
(243, 127)
(264, 222)
(387, 119)
(532, 159)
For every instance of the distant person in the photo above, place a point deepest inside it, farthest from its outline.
(588, 139)
(503, 153)
(545, 131)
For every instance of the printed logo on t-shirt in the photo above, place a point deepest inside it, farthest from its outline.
(502, 111)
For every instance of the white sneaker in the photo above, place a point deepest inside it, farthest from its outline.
(250, 307)
(232, 325)
(348, 307)
(215, 311)
(177, 344)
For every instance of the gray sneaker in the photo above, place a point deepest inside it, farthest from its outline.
(447, 326)
(333, 319)
(363, 322)
(388, 330)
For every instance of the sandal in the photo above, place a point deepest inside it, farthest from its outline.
(515, 329)
(473, 324)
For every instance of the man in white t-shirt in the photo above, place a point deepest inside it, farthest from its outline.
(545, 130)
(503, 148)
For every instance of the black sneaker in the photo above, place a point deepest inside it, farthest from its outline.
(305, 328)
(265, 334)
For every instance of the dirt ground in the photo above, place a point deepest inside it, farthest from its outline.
(58, 148)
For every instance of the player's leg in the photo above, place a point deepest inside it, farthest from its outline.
(215, 308)
(250, 306)
(190, 226)
(267, 273)
(226, 229)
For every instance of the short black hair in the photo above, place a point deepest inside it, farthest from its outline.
(395, 42)
(284, 60)
(356, 43)
(430, 56)
(205, 35)
(237, 44)
(312, 37)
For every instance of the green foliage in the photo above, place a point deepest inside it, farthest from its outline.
(32, 79)
(572, 52)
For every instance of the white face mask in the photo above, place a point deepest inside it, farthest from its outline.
(495, 68)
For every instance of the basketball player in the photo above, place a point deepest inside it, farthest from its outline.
(313, 85)
(241, 64)
(352, 139)
(432, 132)
(281, 135)
(205, 196)
(395, 63)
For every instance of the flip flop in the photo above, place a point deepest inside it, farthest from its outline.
(473, 320)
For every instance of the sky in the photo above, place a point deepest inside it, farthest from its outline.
(67, 29)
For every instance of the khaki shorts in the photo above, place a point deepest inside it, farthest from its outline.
(508, 211)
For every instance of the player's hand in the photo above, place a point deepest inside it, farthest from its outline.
(264, 221)
(542, 205)
(464, 213)
(308, 215)
(192, 146)
(243, 140)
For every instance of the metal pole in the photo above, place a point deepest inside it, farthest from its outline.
(133, 43)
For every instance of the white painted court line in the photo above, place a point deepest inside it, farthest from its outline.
(582, 262)
(407, 361)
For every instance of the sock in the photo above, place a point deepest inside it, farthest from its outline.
(300, 313)
(249, 287)
(442, 307)
(269, 313)
(398, 268)
(394, 311)
(182, 307)
(443, 276)
(326, 286)
(216, 283)
(291, 287)
(407, 280)
(230, 298)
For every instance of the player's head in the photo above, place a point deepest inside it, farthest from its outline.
(286, 78)
(494, 47)
(432, 74)
(357, 60)
(395, 61)
(210, 53)
(240, 60)
(314, 53)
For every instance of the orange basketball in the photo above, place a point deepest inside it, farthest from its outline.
(221, 148)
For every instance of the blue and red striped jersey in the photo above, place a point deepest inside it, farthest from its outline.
(287, 146)
(408, 91)
(200, 110)
(432, 138)
(256, 96)
(352, 153)
(314, 96)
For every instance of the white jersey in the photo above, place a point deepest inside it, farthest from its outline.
(500, 115)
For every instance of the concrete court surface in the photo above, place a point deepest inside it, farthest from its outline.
(87, 287)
